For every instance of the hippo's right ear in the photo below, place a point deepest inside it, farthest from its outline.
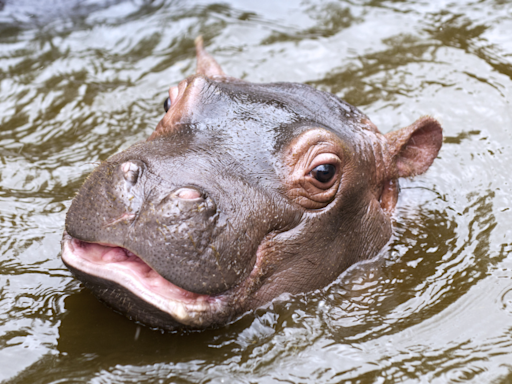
(413, 149)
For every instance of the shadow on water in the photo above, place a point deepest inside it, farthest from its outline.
(93, 338)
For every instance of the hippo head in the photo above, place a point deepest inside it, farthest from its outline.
(242, 193)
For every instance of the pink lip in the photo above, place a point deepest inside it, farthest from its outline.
(107, 255)
(119, 265)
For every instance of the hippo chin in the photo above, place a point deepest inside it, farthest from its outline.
(243, 192)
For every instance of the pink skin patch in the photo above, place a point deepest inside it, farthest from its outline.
(127, 269)
(187, 194)
(128, 166)
(124, 217)
(173, 94)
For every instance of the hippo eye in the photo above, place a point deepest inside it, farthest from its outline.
(324, 172)
(167, 104)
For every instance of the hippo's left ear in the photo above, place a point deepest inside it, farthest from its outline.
(413, 149)
(206, 64)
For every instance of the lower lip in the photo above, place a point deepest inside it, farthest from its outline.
(130, 271)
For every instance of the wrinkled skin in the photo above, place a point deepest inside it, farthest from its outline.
(242, 193)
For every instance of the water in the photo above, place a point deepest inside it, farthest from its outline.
(80, 81)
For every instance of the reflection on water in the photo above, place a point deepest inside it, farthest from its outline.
(81, 80)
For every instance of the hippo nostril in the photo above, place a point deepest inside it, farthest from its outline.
(188, 194)
(167, 104)
(131, 172)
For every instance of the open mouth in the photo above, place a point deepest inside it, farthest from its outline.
(123, 267)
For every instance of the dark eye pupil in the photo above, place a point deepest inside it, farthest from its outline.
(324, 173)
(167, 104)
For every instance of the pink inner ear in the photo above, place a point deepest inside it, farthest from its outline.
(417, 146)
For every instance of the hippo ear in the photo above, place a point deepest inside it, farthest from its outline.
(206, 65)
(414, 148)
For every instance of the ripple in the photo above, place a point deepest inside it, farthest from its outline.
(506, 300)
(81, 80)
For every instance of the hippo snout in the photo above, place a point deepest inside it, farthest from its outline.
(176, 229)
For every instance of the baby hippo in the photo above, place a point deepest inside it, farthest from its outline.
(242, 193)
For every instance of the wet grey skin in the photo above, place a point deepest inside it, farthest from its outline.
(242, 193)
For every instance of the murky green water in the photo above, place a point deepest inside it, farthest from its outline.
(81, 80)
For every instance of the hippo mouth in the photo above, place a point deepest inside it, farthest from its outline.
(121, 266)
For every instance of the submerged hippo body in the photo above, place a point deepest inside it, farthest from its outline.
(243, 192)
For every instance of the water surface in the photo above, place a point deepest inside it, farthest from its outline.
(82, 80)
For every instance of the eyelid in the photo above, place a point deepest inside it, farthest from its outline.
(323, 158)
